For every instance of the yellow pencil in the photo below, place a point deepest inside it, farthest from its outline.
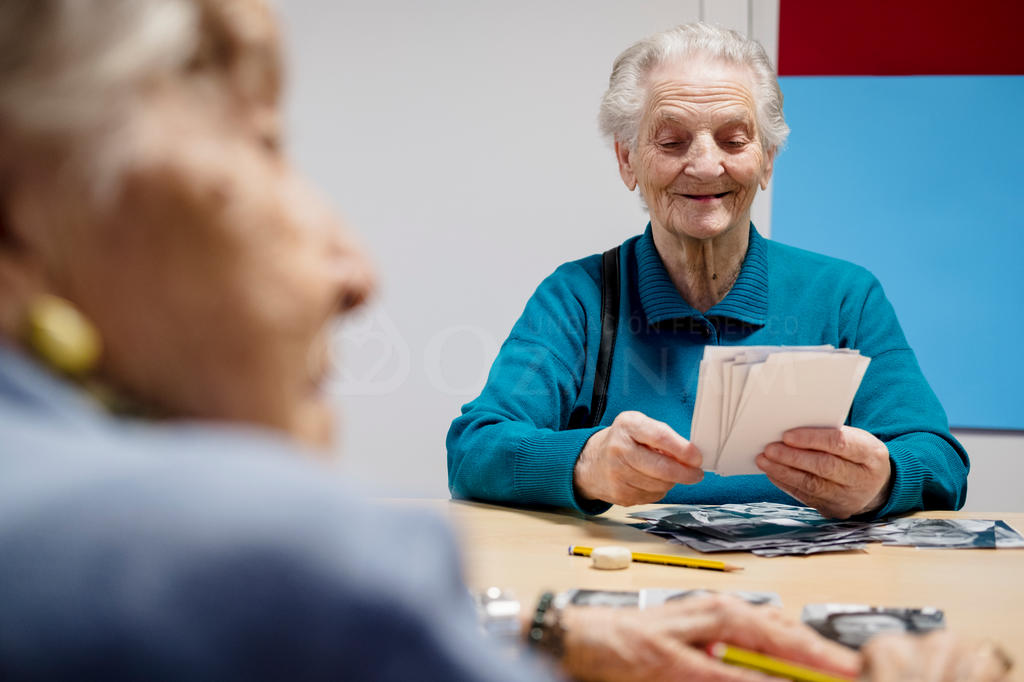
(667, 559)
(769, 665)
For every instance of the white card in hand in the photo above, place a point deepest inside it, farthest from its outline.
(706, 428)
(747, 397)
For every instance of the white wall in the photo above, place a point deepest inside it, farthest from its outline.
(997, 469)
(459, 138)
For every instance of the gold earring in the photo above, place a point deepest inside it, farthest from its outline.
(61, 336)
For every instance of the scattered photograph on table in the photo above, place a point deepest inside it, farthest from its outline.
(944, 533)
(652, 597)
(1007, 537)
(808, 548)
(854, 624)
(603, 598)
(770, 529)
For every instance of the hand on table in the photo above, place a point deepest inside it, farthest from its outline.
(667, 642)
(936, 657)
(840, 472)
(636, 460)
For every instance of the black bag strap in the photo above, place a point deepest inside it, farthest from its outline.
(610, 279)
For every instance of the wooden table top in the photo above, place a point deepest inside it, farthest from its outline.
(980, 590)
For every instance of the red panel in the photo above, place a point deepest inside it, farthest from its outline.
(900, 37)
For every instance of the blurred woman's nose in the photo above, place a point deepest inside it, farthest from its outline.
(704, 161)
(353, 273)
(348, 270)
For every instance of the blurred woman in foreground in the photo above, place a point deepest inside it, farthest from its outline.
(159, 257)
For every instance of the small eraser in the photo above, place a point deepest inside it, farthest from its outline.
(611, 557)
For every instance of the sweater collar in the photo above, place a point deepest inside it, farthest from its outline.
(28, 388)
(747, 301)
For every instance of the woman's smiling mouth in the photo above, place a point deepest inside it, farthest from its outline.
(704, 197)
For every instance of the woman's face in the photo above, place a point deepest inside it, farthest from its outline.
(698, 160)
(213, 275)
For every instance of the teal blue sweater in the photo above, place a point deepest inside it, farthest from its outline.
(512, 444)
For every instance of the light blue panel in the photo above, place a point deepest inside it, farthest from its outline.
(921, 180)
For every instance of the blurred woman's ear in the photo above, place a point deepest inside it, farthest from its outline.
(21, 277)
(49, 326)
(15, 281)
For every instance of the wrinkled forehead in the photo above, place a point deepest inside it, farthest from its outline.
(699, 80)
(242, 36)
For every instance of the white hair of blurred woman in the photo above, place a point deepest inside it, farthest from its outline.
(57, 55)
(73, 71)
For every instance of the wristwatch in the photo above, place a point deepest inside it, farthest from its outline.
(546, 632)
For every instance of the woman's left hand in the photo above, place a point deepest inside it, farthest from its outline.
(840, 472)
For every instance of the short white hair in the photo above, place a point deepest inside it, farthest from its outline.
(622, 106)
(67, 64)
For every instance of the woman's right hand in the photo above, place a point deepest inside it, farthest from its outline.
(667, 642)
(636, 460)
(936, 657)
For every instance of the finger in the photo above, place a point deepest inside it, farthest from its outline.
(635, 487)
(820, 463)
(1002, 660)
(711, 618)
(832, 507)
(801, 484)
(766, 630)
(692, 624)
(826, 439)
(949, 656)
(890, 657)
(847, 442)
(990, 662)
(939, 656)
(660, 467)
(659, 436)
(823, 506)
(707, 618)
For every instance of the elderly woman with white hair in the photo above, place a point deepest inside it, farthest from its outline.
(695, 116)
